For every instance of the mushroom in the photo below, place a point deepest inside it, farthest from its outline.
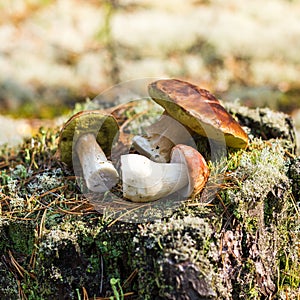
(145, 180)
(91, 133)
(197, 168)
(161, 137)
(195, 108)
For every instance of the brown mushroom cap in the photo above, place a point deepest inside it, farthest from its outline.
(198, 110)
(195, 163)
(102, 125)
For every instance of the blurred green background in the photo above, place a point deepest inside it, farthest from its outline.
(55, 53)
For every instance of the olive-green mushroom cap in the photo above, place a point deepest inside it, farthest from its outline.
(198, 110)
(102, 125)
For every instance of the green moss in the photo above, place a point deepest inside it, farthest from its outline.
(263, 204)
(21, 237)
(8, 283)
(294, 174)
(174, 253)
(43, 109)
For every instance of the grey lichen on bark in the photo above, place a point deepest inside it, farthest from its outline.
(266, 124)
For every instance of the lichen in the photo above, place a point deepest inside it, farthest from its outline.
(44, 182)
(262, 203)
(266, 124)
(177, 258)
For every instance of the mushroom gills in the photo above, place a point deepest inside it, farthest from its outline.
(99, 173)
(145, 180)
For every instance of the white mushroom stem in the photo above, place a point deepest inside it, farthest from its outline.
(99, 173)
(154, 146)
(145, 180)
(160, 139)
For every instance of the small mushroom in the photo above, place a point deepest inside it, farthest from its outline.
(195, 108)
(145, 180)
(88, 136)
